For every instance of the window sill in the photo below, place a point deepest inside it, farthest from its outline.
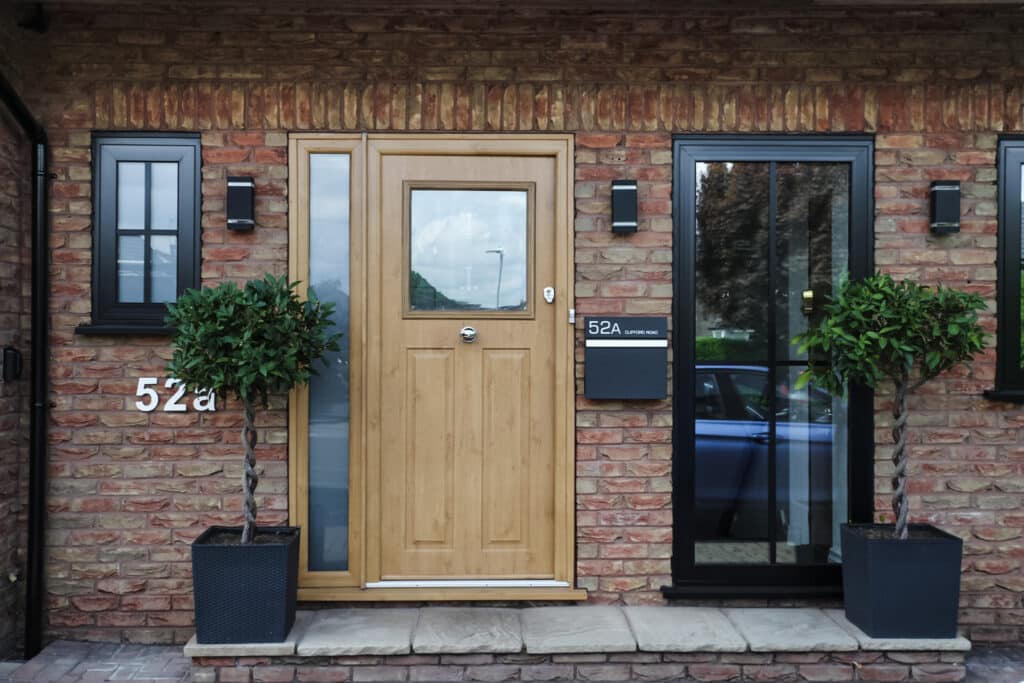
(1005, 395)
(124, 330)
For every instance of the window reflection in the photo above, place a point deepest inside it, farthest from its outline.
(329, 390)
(468, 250)
(770, 470)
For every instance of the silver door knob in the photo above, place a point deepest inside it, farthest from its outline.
(468, 334)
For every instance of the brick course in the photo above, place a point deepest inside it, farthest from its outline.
(129, 490)
(896, 667)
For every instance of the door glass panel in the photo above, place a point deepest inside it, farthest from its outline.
(731, 474)
(732, 261)
(770, 470)
(468, 250)
(329, 184)
(163, 268)
(131, 266)
(810, 464)
(163, 196)
(811, 245)
(131, 195)
(731, 490)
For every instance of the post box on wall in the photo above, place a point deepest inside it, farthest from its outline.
(626, 358)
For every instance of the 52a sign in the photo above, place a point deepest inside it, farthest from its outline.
(203, 401)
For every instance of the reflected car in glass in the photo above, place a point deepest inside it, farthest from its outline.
(733, 438)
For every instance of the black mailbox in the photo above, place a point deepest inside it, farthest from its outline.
(626, 358)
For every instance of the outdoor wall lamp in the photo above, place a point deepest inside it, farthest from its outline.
(241, 202)
(624, 211)
(945, 206)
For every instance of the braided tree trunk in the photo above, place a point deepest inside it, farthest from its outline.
(899, 460)
(249, 476)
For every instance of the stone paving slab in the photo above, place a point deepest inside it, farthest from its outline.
(866, 642)
(302, 621)
(591, 629)
(790, 630)
(994, 664)
(74, 662)
(684, 629)
(566, 630)
(364, 631)
(467, 630)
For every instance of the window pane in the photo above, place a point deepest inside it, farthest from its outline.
(163, 269)
(131, 266)
(732, 262)
(812, 232)
(810, 472)
(468, 250)
(328, 391)
(731, 494)
(163, 198)
(131, 195)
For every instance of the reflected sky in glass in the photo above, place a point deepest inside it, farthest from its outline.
(468, 249)
(163, 197)
(131, 195)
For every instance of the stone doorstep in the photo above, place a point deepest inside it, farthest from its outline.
(585, 629)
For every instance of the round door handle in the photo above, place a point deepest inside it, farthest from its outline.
(468, 334)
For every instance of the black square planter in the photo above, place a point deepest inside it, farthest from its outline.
(245, 593)
(901, 589)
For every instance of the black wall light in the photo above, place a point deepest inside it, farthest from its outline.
(945, 206)
(241, 201)
(624, 211)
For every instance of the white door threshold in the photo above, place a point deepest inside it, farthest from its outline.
(477, 583)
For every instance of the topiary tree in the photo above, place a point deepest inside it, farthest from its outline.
(248, 342)
(878, 329)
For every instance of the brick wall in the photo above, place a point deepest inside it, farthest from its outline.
(129, 489)
(15, 330)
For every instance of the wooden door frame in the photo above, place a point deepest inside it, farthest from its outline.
(365, 359)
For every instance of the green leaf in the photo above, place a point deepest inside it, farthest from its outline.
(880, 329)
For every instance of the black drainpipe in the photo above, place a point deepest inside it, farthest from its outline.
(40, 356)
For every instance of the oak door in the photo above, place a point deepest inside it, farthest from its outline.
(467, 387)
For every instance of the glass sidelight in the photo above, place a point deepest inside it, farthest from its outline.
(768, 229)
(329, 181)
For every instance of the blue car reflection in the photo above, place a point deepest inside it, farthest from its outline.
(732, 409)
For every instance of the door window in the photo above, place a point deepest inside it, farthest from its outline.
(468, 250)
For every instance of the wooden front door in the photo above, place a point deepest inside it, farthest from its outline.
(472, 299)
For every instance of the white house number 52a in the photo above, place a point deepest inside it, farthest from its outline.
(204, 401)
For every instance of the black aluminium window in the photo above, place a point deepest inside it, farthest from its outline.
(790, 214)
(146, 202)
(1010, 342)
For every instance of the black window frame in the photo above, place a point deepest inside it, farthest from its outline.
(1009, 380)
(109, 317)
(712, 581)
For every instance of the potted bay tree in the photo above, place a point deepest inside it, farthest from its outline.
(900, 580)
(247, 343)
